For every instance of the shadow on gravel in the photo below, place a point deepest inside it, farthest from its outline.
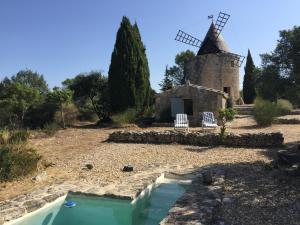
(258, 195)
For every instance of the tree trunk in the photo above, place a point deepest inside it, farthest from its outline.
(62, 116)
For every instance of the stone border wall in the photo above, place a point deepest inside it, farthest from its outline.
(247, 140)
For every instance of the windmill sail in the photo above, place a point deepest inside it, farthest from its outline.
(220, 23)
(187, 39)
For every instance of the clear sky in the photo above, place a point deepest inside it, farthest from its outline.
(62, 38)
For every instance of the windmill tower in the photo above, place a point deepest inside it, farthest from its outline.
(214, 66)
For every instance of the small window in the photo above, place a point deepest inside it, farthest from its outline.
(227, 90)
(232, 63)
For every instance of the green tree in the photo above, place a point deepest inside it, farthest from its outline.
(31, 79)
(128, 76)
(91, 89)
(286, 61)
(167, 82)
(15, 100)
(60, 97)
(270, 85)
(181, 60)
(176, 74)
(249, 93)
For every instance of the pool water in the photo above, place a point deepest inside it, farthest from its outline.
(147, 210)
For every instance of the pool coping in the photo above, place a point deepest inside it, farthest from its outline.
(128, 189)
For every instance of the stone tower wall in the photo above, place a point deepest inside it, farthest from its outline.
(214, 71)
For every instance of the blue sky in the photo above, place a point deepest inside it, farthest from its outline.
(62, 38)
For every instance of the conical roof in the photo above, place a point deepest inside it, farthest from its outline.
(212, 43)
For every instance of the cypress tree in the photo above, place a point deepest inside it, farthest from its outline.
(128, 76)
(142, 76)
(249, 92)
(167, 82)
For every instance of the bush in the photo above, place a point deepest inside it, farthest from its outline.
(165, 116)
(40, 114)
(4, 137)
(71, 114)
(17, 161)
(126, 117)
(51, 128)
(284, 107)
(264, 112)
(13, 137)
(225, 115)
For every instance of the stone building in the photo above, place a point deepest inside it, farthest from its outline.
(214, 66)
(211, 78)
(189, 99)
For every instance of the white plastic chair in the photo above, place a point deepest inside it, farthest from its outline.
(208, 120)
(181, 122)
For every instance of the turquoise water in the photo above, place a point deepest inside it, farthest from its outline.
(148, 210)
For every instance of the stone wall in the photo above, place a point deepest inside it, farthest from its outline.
(204, 99)
(247, 140)
(214, 71)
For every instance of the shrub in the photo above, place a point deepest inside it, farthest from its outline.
(126, 117)
(71, 114)
(165, 116)
(4, 137)
(18, 136)
(225, 115)
(40, 114)
(149, 112)
(17, 161)
(13, 137)
(284, 107)
(264, 112)
(51, 128)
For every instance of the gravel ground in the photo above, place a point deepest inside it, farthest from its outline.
(261, 196)
(69, 150)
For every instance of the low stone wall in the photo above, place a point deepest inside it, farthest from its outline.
(258, 140)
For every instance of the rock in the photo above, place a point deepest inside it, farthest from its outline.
(127, 168)
(207, 178)
(40, 177)
(288, 158)
(88, 167)
(228, 200)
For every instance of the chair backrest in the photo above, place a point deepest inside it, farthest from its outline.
(181, 118)
(208, 117)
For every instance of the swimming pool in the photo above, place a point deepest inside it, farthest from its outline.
(148, 209)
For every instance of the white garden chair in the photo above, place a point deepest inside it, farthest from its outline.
(181, 122)
(208, 121)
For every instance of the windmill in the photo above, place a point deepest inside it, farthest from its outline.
(211, 43)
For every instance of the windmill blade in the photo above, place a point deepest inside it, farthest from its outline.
(187, 39)
(237, 59)
(220, 23)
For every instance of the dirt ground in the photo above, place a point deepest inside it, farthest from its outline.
(70, 150)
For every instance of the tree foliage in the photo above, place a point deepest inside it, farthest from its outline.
(249, 82)
(60, 97)
(128, 76)
(167, 82)
(176, 74)
(15, 100)
(283, 66)
(31, 79)
(91, 91)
